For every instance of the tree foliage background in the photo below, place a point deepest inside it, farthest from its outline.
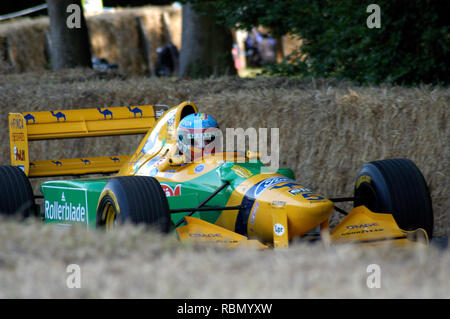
(411, 46)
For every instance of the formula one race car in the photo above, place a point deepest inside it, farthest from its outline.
(226, 197)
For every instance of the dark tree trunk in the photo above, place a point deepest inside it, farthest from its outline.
(70, 46)
(206, 46)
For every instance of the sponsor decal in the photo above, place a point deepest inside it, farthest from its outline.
(199, 168)
(362, 226)
(19, 155)
(16, 123)
(291, 185)
(363, 231)
(114, 159)
(106, 113)
(154, 171)
(168, 174)
(65, 212)
(296, 191)
(363, 179)
(253, 213)
(261, 186)
(135, 111)
(278, 203)
(198, 235)
(59, 115)
(171, 122)
(278, 229)
(241, 171)
(86, 161)
(29, 117)
(294, 188)
(171, 191)
(158, 113)
(312, 196)
(65, 204)
(18, 137)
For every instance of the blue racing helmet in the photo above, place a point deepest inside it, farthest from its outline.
(196, 134)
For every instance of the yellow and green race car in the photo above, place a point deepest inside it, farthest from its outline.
(226, 198)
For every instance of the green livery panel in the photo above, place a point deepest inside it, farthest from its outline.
(68, 202)
(72, 201)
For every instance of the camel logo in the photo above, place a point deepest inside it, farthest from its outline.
(29, 117)
(115, 159)
(57, 163)
(135, 111)
(169, 191)
(105, 113)
(59, 115)
(86, 161)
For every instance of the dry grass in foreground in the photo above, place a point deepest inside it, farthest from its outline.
(132, 263)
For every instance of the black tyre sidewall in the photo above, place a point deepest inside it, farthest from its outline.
(398, 188)
(382, 202)
(16, 194)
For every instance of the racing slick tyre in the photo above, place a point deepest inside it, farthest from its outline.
(16, 194)
(396, 186)
(135, 199)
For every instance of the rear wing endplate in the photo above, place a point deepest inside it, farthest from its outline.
(44, 125)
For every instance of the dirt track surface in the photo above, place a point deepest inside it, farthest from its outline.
(133, 263)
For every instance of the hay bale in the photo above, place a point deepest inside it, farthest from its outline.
(23, 44)
(114, 36)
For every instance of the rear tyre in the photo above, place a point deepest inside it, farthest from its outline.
(16, 194)
(397, 187)
(135, 199)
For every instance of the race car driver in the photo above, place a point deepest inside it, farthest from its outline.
(198, 135)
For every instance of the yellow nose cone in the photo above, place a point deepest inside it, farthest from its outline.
(304, 211)
(302, 219)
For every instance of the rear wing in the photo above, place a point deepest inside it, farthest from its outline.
(44, 125)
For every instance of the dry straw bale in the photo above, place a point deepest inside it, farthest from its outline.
(132, 263)
(114, 36)
(328, 130)
(23, 44)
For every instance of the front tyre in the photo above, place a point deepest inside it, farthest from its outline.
(397, 187)
(135, 199)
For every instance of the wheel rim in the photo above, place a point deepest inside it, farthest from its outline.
(109, 214)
